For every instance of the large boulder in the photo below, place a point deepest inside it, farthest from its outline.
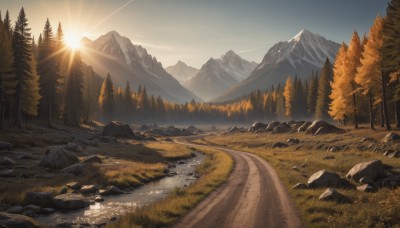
(323, 178)
(257, 127)
(117, 129)
(70, 201)
(192, 129)
(391, 137)
(79, 169)
(92, 159)
(14, 220)
(304, 126)
(366, 172)
(172, 131)
(58, 158)
(43, 199)
(111, 190)
(280, 129)
(272, 125)
(322, 127)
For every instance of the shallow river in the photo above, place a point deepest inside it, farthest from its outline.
(115, 206)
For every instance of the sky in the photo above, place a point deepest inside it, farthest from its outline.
(195, 30)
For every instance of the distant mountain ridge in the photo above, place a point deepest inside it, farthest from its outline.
(182, 72)
(298, 56)
(218, 75)
(115, 54)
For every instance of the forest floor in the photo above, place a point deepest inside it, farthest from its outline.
(333, 152)
(125, 163)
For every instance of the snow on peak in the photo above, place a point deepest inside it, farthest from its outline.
(302, 34)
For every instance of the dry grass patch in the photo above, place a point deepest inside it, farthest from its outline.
(214, 170)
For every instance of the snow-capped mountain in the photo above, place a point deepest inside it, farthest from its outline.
(298, 56)
(182, 72)
(218, 75)
(211, 81)
(115, 54)
(239, 68)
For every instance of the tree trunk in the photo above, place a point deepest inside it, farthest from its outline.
(355, 111)
(385, 110)
(1, 102)
(382, 117)
(18, 107)
(49, 117)
(371, 112)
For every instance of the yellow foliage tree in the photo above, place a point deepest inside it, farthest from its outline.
(337, 107)
(288, 94)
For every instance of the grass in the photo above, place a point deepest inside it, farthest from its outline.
(124, 165)
(379, 209)
(213, 170)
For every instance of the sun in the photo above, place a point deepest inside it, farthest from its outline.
(72, 41)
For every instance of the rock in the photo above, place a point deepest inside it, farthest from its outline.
(323, 179)
(150, 138)
(70, 201)
(168, 140)
(78, 169)
(272, 125)
(63, 190)
(328, 158)
(6, 161)
(14, 220)
(7, 173)
(257, 127)
(112, 219)
(99, 199)
(88, 189)
(92, 159)
(143, 127)
(74, 186)
(192, 129)
(58, 158)
(395, 154)
(322, 127)
(279, 145)
(43, 199)
(300, 186)
(295, 168)
(367, 139)
(5, 145)
(304, 127)
(111, 190)
(172, 131)
(117, 129)
(35, 209)
(71, 146)
(16, 210)
(280, 129)
(366, 188)
(293, 141)
(391, 137)
(369, 171)
(24, 156)
(47, 210)
(303, 165)
(332, 195)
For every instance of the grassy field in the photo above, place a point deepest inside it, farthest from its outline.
(379, 209)
(126, 164)
(213, 170)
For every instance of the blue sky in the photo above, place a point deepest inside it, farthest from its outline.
(195, 30)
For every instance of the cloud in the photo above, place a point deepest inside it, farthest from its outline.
(253, 49)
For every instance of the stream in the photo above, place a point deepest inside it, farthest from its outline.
(115, 206)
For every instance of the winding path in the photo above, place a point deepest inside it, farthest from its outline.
(253, 196)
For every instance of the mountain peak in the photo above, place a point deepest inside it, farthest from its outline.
(230, 54)
(113, 33)
(303, 34)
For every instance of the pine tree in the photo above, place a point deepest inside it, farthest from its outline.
(312, 94)
(30, 91)
(369, 75)
(322, 104)
(390, 52)
(7, 23)
(128, 102)
(60, 54)
(350, 70)
(8, 80)
(23, 63)
(288, 94)
(47, 68)
(73, 96)
(337, 106)
(89, 94)
(106, 98)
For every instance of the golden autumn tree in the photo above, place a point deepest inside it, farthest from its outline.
(288, 94)
(337, 108)
(369, 75)
(350, 70)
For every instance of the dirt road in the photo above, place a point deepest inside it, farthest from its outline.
(253, 196)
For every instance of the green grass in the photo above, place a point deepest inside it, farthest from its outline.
(213, 170)
(379, 209)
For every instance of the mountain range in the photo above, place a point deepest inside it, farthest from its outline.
(298, 56)
(115, 54)
(182, 72)
(218, 75)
